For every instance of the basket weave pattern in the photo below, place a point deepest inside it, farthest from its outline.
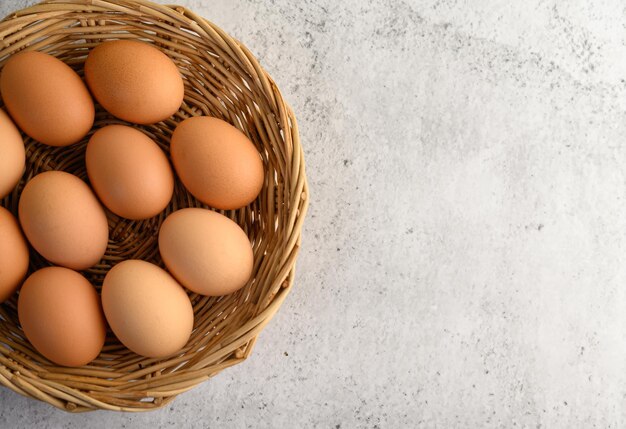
(222, 79)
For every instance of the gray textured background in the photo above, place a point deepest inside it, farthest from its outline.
(463, 261)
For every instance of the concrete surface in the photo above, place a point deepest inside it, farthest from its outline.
(464, 257)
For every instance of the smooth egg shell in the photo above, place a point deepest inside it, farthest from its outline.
(134, 81)
(46, 98)
(12, 155)
(13, 255)
(207, 252)
(147, 309)
(216, 162)
(129, 172)
(61, 315)
(63, 220)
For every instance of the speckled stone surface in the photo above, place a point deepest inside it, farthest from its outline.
(464, 257)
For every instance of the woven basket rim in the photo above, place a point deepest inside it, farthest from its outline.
(87, 389)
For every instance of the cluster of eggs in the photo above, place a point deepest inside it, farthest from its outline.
(65, 221)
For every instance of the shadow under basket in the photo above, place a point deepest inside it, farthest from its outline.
(222, 79)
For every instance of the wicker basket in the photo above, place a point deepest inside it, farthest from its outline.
(224, 80)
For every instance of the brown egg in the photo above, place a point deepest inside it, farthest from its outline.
(207, 252)
(63, 220)
(13, 255)
(134, 81)
(46, 98)
(129, 172)
(216, 162)
(147, 309)
(61, 316)
(12, 155)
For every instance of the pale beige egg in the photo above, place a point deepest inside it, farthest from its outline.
(147, 309)
(207, 252)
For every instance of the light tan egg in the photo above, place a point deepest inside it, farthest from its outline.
(63, 220)
(12, 155)
(46, 98)
(207, 252)
(61, 315)
(129, 172)
(13, 255)
(147, 309)
(134, 81)
(216, 162)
